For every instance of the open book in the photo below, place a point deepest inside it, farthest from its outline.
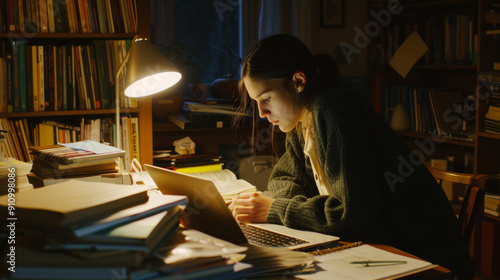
(227, 183)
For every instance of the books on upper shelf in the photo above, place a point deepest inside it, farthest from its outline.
(47, 77)
(69, 16)
(70, 203)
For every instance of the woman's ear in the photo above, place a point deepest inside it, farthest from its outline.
(299, 79)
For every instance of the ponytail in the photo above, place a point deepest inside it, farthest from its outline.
(326, 69)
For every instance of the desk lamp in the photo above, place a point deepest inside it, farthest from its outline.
(148, 72)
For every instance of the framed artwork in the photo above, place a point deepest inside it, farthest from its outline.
(332, 13)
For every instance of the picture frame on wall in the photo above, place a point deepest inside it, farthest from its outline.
(332, 13)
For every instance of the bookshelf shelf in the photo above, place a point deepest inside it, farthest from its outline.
(410, 134)
(489, 216)
(67, 113)
(67, 36)
(446, 67)
(420, 67)
(431, 4)
(489, 135)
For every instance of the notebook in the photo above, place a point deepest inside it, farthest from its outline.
(207, 212)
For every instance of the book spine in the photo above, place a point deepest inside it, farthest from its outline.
(35, 78)
(41, 72)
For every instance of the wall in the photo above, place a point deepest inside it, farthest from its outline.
(326, 39)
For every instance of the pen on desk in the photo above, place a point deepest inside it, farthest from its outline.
(378, 263)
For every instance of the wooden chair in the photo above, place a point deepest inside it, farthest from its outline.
(471, 211)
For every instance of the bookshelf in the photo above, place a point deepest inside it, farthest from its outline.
(460, 52)
(77, 24)
(443, 24)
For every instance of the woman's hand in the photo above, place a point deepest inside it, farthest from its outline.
(251, 207)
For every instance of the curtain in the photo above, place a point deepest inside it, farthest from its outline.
(263, 18)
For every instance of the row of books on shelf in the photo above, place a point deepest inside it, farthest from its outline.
(452, 39)
(68, 16)
(430, 109)
(60, 77)
(23, 134)
(492, 117)
(492, 204)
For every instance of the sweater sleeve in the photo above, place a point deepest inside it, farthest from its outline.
(345, 156)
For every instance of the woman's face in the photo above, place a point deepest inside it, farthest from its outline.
(276, 103)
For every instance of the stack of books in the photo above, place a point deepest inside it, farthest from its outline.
(492, 204)
(492, 116)
(90, 230)
(13, 175)
(86, 160)
(492, 120)
(191, 163)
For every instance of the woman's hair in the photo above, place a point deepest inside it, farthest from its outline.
(279, 57)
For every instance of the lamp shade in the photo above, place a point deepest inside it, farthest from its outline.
(148, 71)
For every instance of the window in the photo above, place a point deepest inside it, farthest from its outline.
(204, 43)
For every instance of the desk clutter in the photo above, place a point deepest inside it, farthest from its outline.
(76, 230)
(85, 160)
(80, 230)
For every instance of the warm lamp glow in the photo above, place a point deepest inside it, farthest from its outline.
(148, 71)
(152, 84)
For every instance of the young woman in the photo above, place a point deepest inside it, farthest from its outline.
(344, 171)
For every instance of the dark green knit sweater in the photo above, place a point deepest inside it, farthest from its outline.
(382, 192)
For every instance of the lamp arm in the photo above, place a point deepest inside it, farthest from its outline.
(117, 102)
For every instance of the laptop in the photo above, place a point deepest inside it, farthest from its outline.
(207, 212)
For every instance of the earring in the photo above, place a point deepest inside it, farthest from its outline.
(299, 89)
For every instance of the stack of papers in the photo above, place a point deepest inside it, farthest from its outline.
(365, 262)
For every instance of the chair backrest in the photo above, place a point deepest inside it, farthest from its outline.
(472, 208)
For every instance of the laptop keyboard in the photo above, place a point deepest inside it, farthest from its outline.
(262, 237)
